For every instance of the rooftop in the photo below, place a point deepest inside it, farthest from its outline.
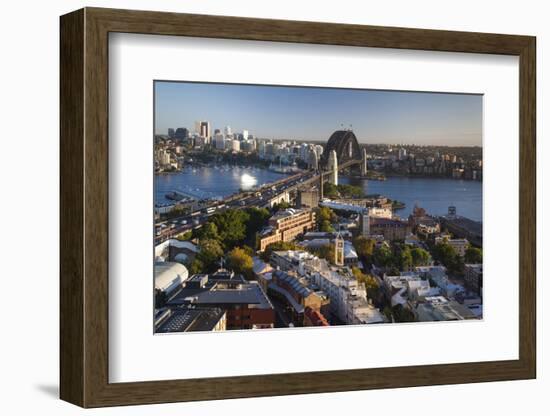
(293, 282)
(186, 319)
(222, 293)
(289, 212)
(166, 273)
(387, 222)
(439, 308)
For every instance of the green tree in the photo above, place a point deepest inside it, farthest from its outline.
(420, 257)
(211, 252)
(281, 206)
(364, 247)
(196, 267)
(185, 236)
(231, 225)
(330, 190)
(382, 256)
(473, 255)
(447, 255)
(325, 214)
(241, 262)
(209, 231)
(257, 219)
(326, 227)
(370, 282)
(350, 191)
(405, 259)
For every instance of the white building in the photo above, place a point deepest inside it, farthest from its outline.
(235, 145)
(408, 287)
(438, 274)
(169, 276)
(377, 212)
(348, 298)
(402, 153)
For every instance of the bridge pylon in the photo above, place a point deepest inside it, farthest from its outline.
(364, 168)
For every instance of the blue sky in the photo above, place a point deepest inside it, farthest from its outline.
(314, 113)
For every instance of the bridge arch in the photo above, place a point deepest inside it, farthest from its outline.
(346, 146)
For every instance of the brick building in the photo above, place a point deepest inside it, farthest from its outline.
(286, 226)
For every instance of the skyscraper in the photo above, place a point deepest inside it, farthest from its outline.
(181, 133)
(205, 129)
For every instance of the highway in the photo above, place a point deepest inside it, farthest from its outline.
(257, 198)
(260, 197)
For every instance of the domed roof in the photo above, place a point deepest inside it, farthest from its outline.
(168, 274)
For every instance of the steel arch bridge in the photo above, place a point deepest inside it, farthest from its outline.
(346, 146)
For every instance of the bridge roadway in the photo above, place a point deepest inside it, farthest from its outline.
(259, 198)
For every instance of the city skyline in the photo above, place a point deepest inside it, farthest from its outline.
(313, 113)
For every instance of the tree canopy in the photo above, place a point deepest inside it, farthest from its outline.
(209, 231)
(231, 226)
(473, 255)
(420, 257)
(447, 255)
(211, 251)
(343, 190)
(240, 261)
(326, 214)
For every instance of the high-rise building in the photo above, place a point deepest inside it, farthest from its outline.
(219, 141)
(181, 133)
(171, 133)
(245, 134)
(236, 146)
(402, 153)
(228, 130)
(205, 129)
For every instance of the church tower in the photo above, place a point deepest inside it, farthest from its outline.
(339, 250)
(365, 223)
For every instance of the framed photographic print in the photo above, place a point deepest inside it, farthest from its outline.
(256, 207)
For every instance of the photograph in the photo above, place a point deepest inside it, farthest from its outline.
(295, 206)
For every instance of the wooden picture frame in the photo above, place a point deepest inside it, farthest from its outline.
(84, 207)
